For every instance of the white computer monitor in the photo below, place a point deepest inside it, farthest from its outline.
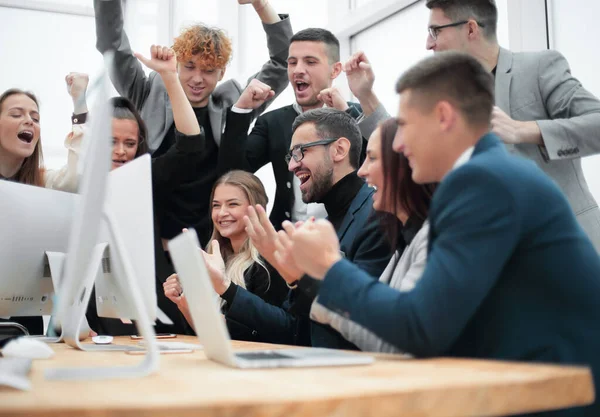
(33, 221)
(129, 197)
(85, 251)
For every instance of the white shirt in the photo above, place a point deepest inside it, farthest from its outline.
(463, 158)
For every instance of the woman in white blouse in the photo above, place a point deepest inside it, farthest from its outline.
(20, 146)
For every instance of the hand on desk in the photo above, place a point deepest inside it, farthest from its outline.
(313, 246)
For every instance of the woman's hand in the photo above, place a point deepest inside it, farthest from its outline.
(216, 268)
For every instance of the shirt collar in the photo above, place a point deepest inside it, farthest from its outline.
(298, 108)
(463, 158)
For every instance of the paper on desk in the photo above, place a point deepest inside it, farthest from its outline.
(14, 373)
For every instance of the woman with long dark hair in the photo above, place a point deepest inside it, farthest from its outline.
(403, 206)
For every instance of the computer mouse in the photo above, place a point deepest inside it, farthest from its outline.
(102, 340)
(23, 347)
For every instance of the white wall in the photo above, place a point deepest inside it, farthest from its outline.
(39, 54)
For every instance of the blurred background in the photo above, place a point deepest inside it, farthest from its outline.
(43, 40)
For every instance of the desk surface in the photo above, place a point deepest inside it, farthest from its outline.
(190, 385)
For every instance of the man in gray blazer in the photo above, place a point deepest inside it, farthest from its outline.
(542, 112)
(203, 54)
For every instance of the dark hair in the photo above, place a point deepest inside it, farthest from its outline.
(333, 123)
(400, 192)
(320, 35)
(31, 171)
(482, 11)
(123, 109)
(454, 77)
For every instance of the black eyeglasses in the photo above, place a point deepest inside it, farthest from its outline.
(434, 31)
(297, 152)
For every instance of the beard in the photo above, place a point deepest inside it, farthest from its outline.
(322, 181)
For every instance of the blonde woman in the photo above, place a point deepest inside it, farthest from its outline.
(233, 262)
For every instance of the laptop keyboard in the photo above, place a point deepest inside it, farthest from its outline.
(261, 355)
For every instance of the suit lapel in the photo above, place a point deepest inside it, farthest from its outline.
(357, 203)
(215, 116)
(503, 79)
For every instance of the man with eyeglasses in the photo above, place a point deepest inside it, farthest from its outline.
(324, 155)
(313, 65)
(542, 112)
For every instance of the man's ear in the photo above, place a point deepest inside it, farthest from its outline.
(445, 114)
(340, 149)
(222, 70)
(336, 70)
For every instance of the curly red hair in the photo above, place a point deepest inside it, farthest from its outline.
(211, 45)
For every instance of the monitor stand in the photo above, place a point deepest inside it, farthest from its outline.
(76, 316)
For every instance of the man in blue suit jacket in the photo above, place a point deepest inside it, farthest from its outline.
(324, 155)
(510, 273)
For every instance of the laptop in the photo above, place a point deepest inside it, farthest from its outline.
(211, 328)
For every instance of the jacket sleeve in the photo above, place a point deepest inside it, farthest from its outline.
(126, 72)
(272, 324)
(240, 150)
(427, 320)
(573, 130)
(177, 165)
(274, 71)
(361, 336)
(67, 178)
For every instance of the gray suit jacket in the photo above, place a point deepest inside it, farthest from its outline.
(149, 94)
(539, 86)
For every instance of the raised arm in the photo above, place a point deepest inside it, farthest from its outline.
(279, 32)
(126, 73)
(163, 61)
(361, 78)
(65, 178)
(174, 167)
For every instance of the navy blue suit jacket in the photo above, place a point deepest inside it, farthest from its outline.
(363, 244)
(510, 274)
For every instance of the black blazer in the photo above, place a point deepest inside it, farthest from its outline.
(269, 141)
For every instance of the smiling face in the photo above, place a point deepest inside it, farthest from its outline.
(310, 71)
(372, 170)
(229, 205)
(19, 126)
(125, 141)
(315, 170)
(198, 81)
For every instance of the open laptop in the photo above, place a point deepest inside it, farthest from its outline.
(212, 330)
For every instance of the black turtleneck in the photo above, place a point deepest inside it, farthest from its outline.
(338, 200)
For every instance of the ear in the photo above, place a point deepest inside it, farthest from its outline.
(340, 149)
(446, 115)
(473, 29)
(336, 70)
(222, 70)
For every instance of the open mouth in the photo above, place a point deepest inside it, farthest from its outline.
(301, 86)
(226, 223)
(25, 136)
(303, 177)
(119, 162)
(196, 90)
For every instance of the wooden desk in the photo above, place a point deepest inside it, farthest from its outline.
(190, 385)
